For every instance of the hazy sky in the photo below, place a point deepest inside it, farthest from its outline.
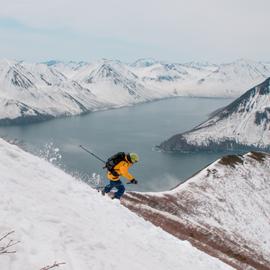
(172, 30)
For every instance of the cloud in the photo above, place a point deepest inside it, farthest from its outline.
(171, 29)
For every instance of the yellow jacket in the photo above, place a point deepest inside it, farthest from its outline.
(122, 169)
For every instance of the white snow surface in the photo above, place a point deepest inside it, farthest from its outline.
(71, 88)
(59, 218)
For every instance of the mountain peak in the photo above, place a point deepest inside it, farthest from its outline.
(144, 62)
(51, 62)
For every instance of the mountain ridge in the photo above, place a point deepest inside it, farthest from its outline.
(56, 88)
(214, 210)
(242, 125)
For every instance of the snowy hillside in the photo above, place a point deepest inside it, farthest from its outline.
(244, 124)
(34, 92)
(224, 210)
(58, 218)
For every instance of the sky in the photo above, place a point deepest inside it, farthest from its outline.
(169, 30)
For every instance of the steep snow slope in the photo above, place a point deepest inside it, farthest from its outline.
(244, 124)
(58, 218)
(224, 210)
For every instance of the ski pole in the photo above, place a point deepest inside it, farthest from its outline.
(91, 153)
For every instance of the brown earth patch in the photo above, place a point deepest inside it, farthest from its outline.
(231, 160)
(258, 156)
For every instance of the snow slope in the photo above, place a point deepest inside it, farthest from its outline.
(243, 124)
(224, 210)
(59, 218)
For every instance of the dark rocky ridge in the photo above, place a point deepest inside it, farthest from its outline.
(179, 143)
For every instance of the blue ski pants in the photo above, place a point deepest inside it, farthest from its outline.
(118, 185)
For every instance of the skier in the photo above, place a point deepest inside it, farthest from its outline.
(117, 166)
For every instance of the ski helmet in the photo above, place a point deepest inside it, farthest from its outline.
(134, 157)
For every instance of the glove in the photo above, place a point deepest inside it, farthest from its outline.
(134, 181)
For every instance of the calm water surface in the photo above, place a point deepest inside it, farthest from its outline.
(137, 129)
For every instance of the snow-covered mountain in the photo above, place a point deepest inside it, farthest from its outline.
(202, 65)
(235, 77)
(224, 210)
(113, 82)
(161, 79)
(201, 78)
(68, 68)
(58, 218)
(243, 124)
(144, 62)
(33, 92)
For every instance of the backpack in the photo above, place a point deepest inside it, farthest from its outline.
(113, 161)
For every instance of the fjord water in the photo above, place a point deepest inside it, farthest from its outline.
(129, 129)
